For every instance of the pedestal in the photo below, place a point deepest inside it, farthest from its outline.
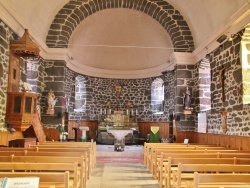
(84, 129)
(119, 145)
(119, 141)
(50, 111)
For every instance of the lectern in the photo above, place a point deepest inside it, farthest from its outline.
(80, 133)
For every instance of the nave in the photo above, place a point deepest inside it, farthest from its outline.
(120, 169)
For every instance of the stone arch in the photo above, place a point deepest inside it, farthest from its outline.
(74, 12)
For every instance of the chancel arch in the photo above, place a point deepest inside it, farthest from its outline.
(74, 12)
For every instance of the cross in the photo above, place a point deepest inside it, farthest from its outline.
(222, 74)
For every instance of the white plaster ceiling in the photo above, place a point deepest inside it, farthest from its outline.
(119, 41)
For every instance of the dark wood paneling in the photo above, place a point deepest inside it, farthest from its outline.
(6, 136)
(52, 134)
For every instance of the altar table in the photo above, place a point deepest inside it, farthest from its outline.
(119, 138)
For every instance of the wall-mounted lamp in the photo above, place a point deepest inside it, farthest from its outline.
(232, 36)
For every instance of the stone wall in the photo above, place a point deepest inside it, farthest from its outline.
(6, 35)
(137, 91)
(227, 57)
(184, 77)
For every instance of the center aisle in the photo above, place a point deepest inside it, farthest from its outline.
(120, 169)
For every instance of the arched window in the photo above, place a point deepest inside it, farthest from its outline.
(157, 96)
(80, 94)
(204, 84)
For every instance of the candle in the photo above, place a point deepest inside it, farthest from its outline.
(127, 111)
(109, 111)
(104, 111)
(101, 111)
(136, 112)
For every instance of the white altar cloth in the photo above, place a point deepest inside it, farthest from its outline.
(119, 134)
(84, 129)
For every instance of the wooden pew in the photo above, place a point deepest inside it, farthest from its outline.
(90, 147)
(154, 157)
(221, 180)
(165, 173)
(89, 158)
(154, 163)
(149, 147)
(156, 151)
(50, 153)
(52, 159)
(184, 176)
(53, 154)
(43, 167)
(48, 179)
(165, 156)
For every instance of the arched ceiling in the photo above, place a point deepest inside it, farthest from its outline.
(125, 38)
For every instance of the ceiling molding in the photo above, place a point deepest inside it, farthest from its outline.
(234, 24)
(135, 74)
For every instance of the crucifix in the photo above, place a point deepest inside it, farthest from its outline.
(222, 81)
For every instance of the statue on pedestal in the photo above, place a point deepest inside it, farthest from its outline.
(51, 100)
(187, 99)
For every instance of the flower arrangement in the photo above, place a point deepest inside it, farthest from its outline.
(61, 130)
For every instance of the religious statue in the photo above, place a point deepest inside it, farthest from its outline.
(118, 89)
(51, 100)
(187, 99)
(128, 105)
(108, 105)
(224, 121)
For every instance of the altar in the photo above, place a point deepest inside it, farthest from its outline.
(119, 142)
(117, 129)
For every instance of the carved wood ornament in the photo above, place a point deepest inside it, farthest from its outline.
(224, 121)
(20, 110)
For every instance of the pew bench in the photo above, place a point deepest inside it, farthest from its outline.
(48, 179)
(219, 154)
(184, 176)
(221, 180)
(49, 153)
(156, 152)
(90, 148)
(51, 159)
(148, 147)
(166, 172)
(45, 168)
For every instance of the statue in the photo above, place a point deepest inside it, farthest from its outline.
(224, 121)
(187, 99)
(128, 105)
(51, 100)
(108, 105)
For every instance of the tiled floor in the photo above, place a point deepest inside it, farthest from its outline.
(120, 169)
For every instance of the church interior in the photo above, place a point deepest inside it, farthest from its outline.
(78, 74)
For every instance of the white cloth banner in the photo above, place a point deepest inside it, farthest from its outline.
(120, 134)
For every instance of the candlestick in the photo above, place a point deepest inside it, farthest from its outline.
(127, 111)
(109, 111)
